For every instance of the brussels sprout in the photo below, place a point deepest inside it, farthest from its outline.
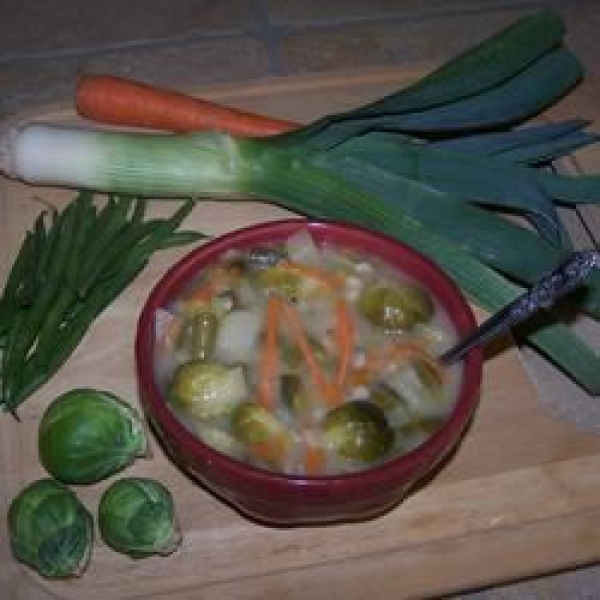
(50, 530)
(263, 435)
(208, 389)
(396, 307)
(86, 435)
(359, 431)
(283, 281)
(136, 516)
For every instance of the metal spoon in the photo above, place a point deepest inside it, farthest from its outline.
(562, 280)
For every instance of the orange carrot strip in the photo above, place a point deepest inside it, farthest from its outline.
(125, 102)
(272, 451)
(314, 458)
(326, 278)
(205, 293)
(345, 333)
(330, 391)
(268, 364)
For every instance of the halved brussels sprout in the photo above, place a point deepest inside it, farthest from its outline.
(284, 282)
(359, 431)
(396, 307)
(263, 435)
(50, 530)
(208, 389)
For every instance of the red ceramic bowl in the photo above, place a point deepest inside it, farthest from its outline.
(291, 500)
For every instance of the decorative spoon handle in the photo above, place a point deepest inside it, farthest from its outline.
(559, 282)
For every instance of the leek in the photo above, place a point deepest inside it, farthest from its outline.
(428, 165)
(219, 166)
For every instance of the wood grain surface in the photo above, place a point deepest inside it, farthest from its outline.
(520, 497)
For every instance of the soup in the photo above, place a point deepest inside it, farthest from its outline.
(306, 359)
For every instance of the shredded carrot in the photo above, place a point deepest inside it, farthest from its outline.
(268, 364)
(331, 392)
(205, 293)
(121, 101)
(330, 280)
(314, 457)
(345, 333)
(272, 451)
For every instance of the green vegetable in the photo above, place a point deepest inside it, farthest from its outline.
(199, 335)
(359, 431)
(69, 268)
(207, 389)
(136, 516)
(50, 530)
(86, 435)
(396, 308)
(498, 60)
(263, 435)
(282, 281)
(379, 166)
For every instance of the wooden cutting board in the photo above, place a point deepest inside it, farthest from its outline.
(520, 497)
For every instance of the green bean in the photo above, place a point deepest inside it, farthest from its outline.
(139, 210)
(181, 238)
(85, 219)
(9, 374)
(116, 244)
(114, 218)
(9, 303)
(68, 338)
(30, 282)
(22, 278)
(47, 252)
(26, 330)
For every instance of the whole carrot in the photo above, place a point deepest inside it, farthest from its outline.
(125, 102)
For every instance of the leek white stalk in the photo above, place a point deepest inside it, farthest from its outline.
(130, 163)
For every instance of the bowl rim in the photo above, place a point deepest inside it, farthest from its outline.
(408, 464)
